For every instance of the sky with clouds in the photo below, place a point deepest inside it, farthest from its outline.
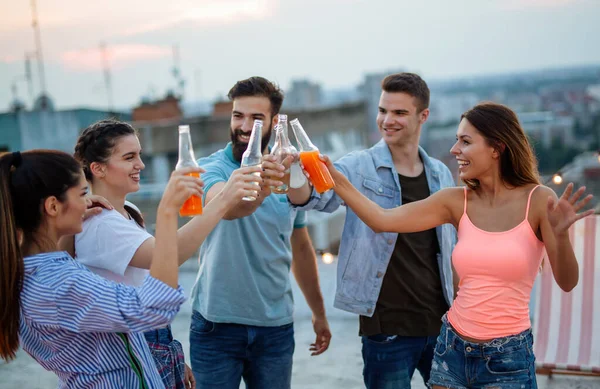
(334, 42)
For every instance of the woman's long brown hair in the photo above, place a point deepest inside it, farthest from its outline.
(11, 265)
(500, 126)
(26, 180)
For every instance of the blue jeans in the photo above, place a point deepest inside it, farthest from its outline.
(506, 363)
(222, 354)
(390, 360)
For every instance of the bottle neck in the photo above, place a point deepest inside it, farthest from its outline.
(280, 139)
(303, 140)
(254, 144)
(285, 140)
(186, 151)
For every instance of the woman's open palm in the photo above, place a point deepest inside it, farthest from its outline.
(563, 213)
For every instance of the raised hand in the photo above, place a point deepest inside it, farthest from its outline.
(180, 187)
(304, 172)
(564, 212)
(332, 170)
(272, 172)
(243, 182)
(95, 204)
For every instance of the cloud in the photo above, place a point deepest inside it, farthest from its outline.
(134, 17)
(10, 58)
(209, 14)
(18, 17)
(119, 56)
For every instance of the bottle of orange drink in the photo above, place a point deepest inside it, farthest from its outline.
(193, 205)
(309, 155)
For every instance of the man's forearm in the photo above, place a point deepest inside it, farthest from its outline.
(242, 209)
(304, 267)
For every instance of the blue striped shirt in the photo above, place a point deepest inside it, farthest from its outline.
(71, 320)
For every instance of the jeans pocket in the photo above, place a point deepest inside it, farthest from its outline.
(200, 325)
(515, 362)
(440, 348)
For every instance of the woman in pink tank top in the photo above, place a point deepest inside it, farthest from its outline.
(505, 219)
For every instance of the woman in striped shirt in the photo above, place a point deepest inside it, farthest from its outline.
(84, 328)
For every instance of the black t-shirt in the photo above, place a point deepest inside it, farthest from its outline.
(411, 301)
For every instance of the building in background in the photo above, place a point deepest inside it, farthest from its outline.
(560, 111)
(303, 94)
(167, 108)
(46, 128)
(545, 127)
(583, 170)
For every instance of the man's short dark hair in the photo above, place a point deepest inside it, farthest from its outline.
(410, 84)
(258, 86)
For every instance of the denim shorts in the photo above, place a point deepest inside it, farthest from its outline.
(503, 363)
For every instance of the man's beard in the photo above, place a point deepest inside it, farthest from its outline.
(238, 147)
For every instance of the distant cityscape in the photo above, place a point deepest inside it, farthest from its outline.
(558, 108)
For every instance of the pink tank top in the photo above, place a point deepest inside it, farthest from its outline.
(497, 271)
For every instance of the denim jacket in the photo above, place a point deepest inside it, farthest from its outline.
(364, 255)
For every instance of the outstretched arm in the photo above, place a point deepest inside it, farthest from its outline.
(306, 198)
(191, 236)
(222, 198)
(417, 216)
(81, 301)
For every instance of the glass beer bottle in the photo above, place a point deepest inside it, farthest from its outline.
(283, 149)
(309, 155)
(193, 205)
(297, 177)
(253, 154)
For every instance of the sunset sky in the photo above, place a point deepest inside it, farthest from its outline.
(334, 42)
